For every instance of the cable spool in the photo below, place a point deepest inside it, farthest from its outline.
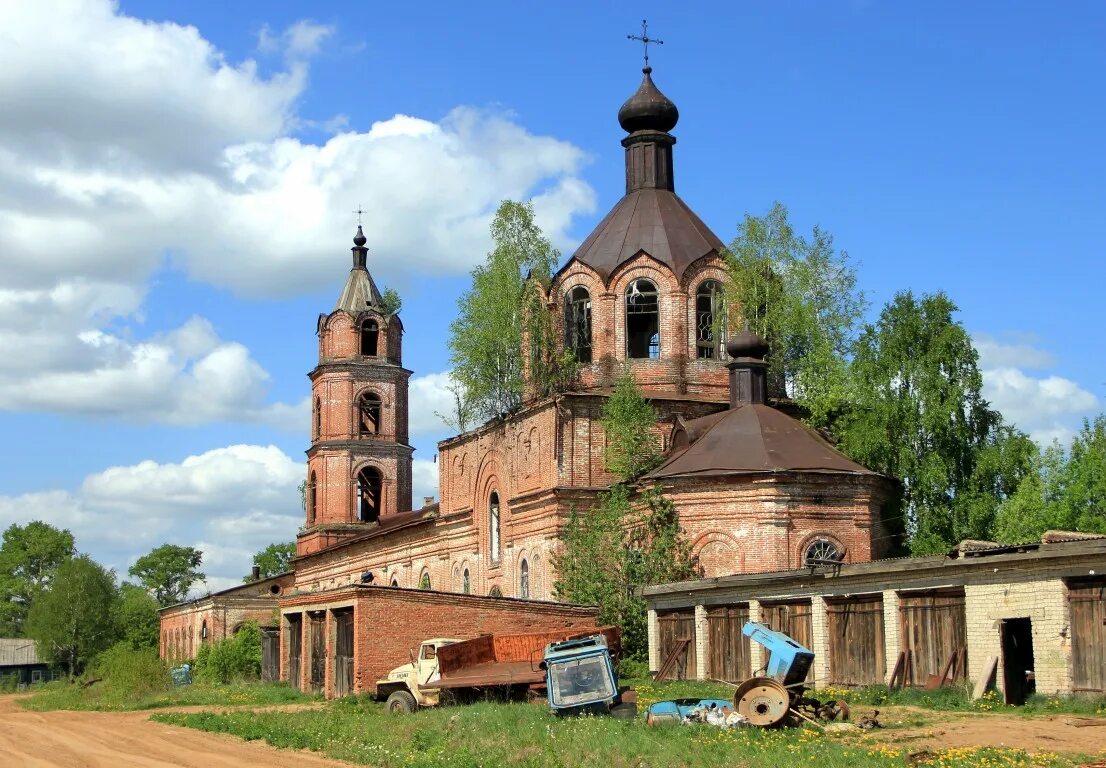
(762, 701)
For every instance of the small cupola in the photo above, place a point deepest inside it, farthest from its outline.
(748, 369)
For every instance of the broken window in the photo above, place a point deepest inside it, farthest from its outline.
(524, 580)
(710, 317)
(309, 499)
(822, 552)
(317, 419)
(370, 335)
(368, 493)
(424, 580)
(466, 583)
(368, 409)
(578, 323)
(493, 526)
(643, 328)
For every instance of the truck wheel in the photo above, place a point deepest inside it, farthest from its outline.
(627, 711)
(401, 703)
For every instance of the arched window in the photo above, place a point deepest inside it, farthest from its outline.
(535, 576)
(466, 582)
(424, 580)
(495, 591)
(578, 323)
(524, 579)
(395, 582)
(368, 494)
(190, 642)
(493, 526)
(317, 420)
(203, 631)
(310, 498)
(643, 328)
(368, 414)
(370, 336)
(710, 316)
(822, 552)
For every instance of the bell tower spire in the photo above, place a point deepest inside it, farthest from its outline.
(648, 116)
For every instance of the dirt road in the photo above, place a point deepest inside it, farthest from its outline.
(116, 739)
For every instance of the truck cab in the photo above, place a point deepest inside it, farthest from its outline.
(580, 677)
(410, 686)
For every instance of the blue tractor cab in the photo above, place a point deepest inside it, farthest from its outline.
(579, 676)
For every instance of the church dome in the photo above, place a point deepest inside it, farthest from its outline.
(648, 109)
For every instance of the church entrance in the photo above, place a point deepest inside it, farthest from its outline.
(317, 649)
(343, 652)
(295, 655)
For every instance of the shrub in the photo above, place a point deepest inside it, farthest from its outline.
(236, 658)
(135, 673)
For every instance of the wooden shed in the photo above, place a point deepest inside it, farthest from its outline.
(932, 631)
(854, 626)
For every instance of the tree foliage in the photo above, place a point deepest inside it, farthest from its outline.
(631, 537)
(502, 310)
(29, 557)
(168, 572)
(390, 302)
(235, 658)
(274, 559)
(802, 296)
(136, 619)
(73, 619)
(917, 413)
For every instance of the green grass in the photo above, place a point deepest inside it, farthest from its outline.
(102, 697)
(359, 730)
(957, 698)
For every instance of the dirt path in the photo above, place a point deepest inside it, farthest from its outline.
(1051, 733)
(110, 739)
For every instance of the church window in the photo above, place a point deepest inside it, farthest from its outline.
(578, 323)
(495, 591)
(370, 336)
(395, 582)
(466, 582)
(642, 320)
(424, 580)
(822, 552)
(368, 414)
(203, 631)
(493, 526)
(317, 419)
(368, 494)
(310, 499)
(710, 316)
(524, 580)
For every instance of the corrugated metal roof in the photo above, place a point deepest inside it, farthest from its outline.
(17, 651)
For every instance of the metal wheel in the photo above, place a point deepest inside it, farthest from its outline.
(762, 701)
(401, 703)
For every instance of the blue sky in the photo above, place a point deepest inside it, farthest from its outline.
(177, 184)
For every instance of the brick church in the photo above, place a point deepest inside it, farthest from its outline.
(755, 489)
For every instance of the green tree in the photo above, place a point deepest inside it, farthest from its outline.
(274, 559)
(1034, 507)
(390, 302)
(72, 620)
(628, 420)
(917, 413)
(631, 536)
(1082, 496)
(168, 571)
(29, 557)
(501, 310)
(802, 296)
(136, 618)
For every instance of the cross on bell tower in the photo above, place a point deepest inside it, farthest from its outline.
(644, 39)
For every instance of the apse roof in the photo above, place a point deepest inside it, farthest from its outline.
(749, 439)
(654, 221)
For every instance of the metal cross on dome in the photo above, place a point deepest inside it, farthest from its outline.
(359, 212)
(644, 39)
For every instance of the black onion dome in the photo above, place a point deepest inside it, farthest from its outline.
(359, 239)
(747, 344)
(648, 109)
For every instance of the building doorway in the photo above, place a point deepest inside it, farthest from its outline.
(295, 656)
(317, 648)
(343, 652)
(1018, 681)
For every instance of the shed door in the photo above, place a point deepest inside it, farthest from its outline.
(270, 654)
(672, 627)
(343, 653)
(855, 627)
(727, 647)
(295, 653)
(317, 640)
(793, 619)
(1088, 634)
(933, 628)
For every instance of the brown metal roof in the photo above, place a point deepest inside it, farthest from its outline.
(655, 221)
(752, 438)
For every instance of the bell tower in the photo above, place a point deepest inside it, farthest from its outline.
(359, 462)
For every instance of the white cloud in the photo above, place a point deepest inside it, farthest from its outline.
(300, 40)
(123, 140)
(1047, 407)
(230, 502)
(424, 478)
(63, 361)
(429, 396)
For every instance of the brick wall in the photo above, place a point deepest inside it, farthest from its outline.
(389, 623)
